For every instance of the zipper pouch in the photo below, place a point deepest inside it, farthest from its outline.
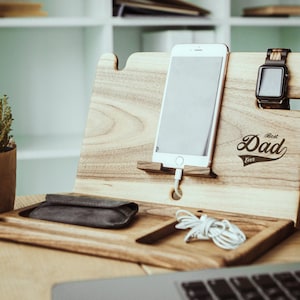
(86, 211)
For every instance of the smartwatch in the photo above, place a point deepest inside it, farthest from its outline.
(272, 80)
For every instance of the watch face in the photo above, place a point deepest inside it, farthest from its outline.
(271, 83)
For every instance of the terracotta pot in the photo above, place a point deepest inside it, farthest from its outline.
(8, 164)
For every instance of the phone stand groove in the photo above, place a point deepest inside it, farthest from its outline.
(153, 167)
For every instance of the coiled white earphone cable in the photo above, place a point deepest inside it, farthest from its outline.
(224, 234)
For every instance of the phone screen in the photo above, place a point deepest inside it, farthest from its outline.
(189, 104)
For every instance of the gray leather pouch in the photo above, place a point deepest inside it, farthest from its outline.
(86, 211)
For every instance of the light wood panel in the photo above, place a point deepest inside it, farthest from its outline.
(120, 132)
(29, 272)
(121, 129)
(169, 251)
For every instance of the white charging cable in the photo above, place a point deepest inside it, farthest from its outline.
(178, 176)
(224, 234)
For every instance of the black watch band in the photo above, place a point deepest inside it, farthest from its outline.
(276, 57)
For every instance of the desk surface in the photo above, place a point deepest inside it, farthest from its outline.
(28, 272)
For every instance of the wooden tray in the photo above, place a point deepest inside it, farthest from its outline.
(258, 190)
(164, 248)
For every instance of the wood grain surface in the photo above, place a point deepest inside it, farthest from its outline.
(120, 132)
(121, 129)
(169, 251)
(29, 272)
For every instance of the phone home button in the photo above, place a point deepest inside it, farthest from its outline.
(179, 161)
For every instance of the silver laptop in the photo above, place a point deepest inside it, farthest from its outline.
(272, 281)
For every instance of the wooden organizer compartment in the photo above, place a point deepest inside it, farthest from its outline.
(169, 251)
(119, 138)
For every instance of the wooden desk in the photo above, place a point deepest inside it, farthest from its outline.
(28, 272)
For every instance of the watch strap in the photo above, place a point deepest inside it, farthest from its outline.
(285, 104)
(277, 56)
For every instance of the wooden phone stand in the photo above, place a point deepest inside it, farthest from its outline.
(252, 177)
(256, 160)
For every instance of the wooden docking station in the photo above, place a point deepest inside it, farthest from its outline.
(256, 163)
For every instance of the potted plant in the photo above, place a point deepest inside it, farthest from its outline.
(7, 158)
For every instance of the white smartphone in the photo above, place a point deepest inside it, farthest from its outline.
(191, 105)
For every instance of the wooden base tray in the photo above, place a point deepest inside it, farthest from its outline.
(165, 247)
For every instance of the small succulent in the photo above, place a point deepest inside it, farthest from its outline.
(5, 124)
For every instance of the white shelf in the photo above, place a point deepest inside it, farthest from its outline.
(164, 21)
(268, 21)
(51, 22)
